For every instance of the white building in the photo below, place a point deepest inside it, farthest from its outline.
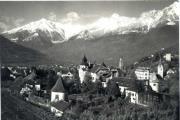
(142, 73)
(37, 87)
(104, 84)
(167, 57)
(94, 77)
(160, 69)
(83, 67)
(58, 91)
(121, 64)
(133, 96)
(69, 75)
(154, 82)
(122, 88)
(154, 85)
(100, 71)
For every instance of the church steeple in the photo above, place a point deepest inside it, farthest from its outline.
(84, 61)
(121, 65)
(103, 64)
(160, 68)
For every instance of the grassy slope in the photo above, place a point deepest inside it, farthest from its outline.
(12, 53)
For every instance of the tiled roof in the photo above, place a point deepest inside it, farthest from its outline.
(96, 68)
(60, 105)
(58, 87)
(126, 82)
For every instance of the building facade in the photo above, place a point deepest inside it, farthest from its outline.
(142, 73)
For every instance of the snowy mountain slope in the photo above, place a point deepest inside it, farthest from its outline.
(45, 33)
(116, 24)
(41, 34)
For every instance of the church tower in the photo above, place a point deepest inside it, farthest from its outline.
(58, 91)
(83, 68)
(160, 69)
(121, 65)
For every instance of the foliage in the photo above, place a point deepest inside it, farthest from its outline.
(113, 89)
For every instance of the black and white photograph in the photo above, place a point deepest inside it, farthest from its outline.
(89, 60)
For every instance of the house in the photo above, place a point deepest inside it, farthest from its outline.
(68, 74)
(59, 107)
(100, 72)
(94, 72)
(154, 82)
(58, 91)
(137, 94)
(133, 95)
(94, 77)
(114, 71)
(37, 86)
(128, 86)
(167, 57)
(142, 73)
(158, 84)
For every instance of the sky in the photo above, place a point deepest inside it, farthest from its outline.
(18, 13)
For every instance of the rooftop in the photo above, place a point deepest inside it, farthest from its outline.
(60, 105)
(58, 87)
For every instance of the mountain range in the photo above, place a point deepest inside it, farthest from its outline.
(106, 39)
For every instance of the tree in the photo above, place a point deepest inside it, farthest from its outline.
(51, 79)
(113, 89)
(87, 84)
(5, 74)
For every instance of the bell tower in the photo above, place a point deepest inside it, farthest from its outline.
(160, 69)
(121, 64)
(83, 68)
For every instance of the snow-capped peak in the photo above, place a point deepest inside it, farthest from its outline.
(42, 24)
(122, 24)
(104, 25)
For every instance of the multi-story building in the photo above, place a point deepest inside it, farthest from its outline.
(142, 73)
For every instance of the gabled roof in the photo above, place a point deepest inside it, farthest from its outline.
(126, 82)
(60, 105)
(96, 68)
(58, 87)
(106, 75)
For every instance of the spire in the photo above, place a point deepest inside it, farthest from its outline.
(103, 64)
(84, 58)
(84, 61)
(160, 61)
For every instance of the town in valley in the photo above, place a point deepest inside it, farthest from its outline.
(63, 91)
(89, 60)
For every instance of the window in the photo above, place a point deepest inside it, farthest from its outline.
(56, 98)
(132, 94)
